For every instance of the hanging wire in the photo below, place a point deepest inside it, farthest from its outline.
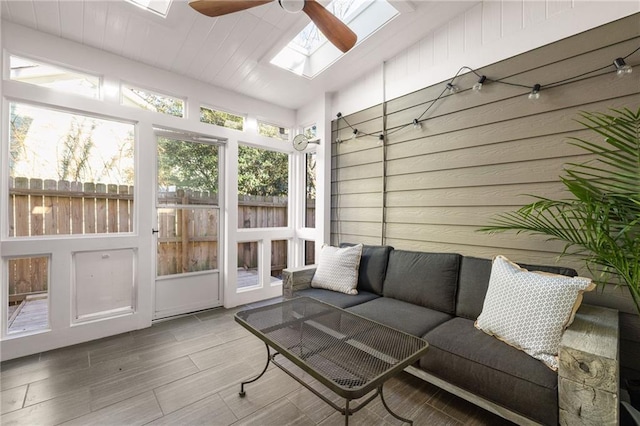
(500, 81)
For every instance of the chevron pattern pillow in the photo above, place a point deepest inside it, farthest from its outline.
(338, 269)
(530, 310)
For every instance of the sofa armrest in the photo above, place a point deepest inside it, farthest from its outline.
(295, 279)
(589, 372)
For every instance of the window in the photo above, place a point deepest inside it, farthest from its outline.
(152, 101)
(221, 118)
(28, 301)
(309, 252)
(263, 182)
(273, 131)
(53, 77)
(68, 173)
(188, 213)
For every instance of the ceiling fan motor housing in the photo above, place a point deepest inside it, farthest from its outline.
(292, 6)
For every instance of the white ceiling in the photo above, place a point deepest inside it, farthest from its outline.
(231, 51)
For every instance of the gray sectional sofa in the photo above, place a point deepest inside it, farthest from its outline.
(438, 296)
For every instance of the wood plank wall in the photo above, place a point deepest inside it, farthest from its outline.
(478, 153)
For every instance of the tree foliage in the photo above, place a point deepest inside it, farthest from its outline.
(262, 172)
(188, 165)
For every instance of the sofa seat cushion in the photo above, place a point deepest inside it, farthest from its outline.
(407, 317)
(334, 298)
(468, 358)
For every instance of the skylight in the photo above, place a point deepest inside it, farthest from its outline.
(159, 7)
(310, 53)
(310, 38)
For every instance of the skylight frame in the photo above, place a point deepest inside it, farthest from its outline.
(148, 5)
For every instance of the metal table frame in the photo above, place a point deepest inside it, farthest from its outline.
(293, 317)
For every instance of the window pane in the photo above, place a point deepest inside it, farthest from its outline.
(68, 173)
(263, 183)
(310, 187)
(309, 252)
(44, 75)
(187, 240)
(144, 99)
(272, 131)
(28, 294)
(187, 173)
(248, 265)
(311, 132)
(221, 118)
(278, 259)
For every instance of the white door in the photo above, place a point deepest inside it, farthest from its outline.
(187, 230)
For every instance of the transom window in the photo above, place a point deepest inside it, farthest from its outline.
(53, 77)
(152, 101)
(221, 118)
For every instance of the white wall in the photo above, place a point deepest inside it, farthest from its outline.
(487, 33)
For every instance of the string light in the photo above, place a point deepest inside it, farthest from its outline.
(355, 134)
(621, 68)
(535, 92)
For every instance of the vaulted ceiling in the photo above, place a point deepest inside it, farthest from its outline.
(231, 51)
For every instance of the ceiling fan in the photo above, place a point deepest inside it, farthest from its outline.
(333, 28)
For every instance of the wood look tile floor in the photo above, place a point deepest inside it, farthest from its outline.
(186, 371)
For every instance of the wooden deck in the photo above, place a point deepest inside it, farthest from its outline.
(33, 313)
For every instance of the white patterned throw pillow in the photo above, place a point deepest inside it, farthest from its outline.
(338, 269)
(530, 310)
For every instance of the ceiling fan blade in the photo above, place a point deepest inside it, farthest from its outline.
(333, 28)
(215, 8)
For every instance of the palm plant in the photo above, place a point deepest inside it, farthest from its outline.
(600, 223)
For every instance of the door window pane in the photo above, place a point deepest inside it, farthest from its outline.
(68, 173)
(263, 186)
(187, 240)
(28, 308)
(187, 199)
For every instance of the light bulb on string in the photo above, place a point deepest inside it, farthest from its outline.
(622, 67)
(535, 92)
(355, 134)
(478, 86)
(416, 124)
(452, 88)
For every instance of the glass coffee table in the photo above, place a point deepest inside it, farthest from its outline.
(349, 354)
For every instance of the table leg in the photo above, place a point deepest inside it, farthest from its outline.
(402, 419)
(346, 413)
(242, 392)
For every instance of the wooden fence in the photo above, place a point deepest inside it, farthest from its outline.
(187, 237)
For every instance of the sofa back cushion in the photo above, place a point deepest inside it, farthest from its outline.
(425, 279)
(474, 281)
(373, 267)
